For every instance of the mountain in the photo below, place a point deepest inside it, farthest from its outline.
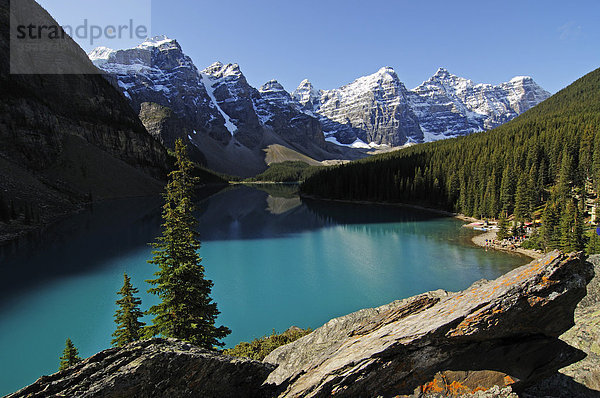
(66, 139)
(234, 128)
(229, 125)
(544, 164)
(448, 105)
(379, 109)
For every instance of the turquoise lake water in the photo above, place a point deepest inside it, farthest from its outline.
(275, 261)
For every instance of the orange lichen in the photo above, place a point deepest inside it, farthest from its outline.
(508, 380)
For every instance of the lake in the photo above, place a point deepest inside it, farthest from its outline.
(275, 261)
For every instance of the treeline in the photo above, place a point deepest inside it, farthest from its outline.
(288, 171)
(545, 163)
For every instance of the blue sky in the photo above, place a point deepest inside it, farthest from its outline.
(332, 42)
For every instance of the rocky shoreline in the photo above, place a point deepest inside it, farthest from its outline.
(484, 238)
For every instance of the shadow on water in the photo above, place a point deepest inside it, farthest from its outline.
(81, 243)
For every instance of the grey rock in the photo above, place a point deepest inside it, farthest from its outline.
(155, 368)
(581, 379)
(510, 325)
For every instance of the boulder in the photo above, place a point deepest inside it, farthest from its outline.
(155, 368)
(496, 332)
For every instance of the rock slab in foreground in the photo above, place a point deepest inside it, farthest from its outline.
(498, 332)
(155, 368)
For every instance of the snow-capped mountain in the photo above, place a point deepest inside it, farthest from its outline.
(231, 126)
(447, 105)
(379, 109)
(228, 123)
(373, 109)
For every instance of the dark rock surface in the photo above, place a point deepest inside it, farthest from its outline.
(581, 379)
(67, 138)
(509, 326)
(155, 368)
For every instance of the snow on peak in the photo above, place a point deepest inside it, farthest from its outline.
(520, 79)
(271, 85)
(306, 95)
(219, 70)
(386, 70)
(156, 41)
(100, 55)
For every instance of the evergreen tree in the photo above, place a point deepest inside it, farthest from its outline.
(507, 189)
(550, 220)
(571, 229)
(502, 227)
(593, 244)
(70, 356)
(186, 310)
(522, 199)
(127, 316)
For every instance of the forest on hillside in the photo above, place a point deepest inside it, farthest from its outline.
(544, 164)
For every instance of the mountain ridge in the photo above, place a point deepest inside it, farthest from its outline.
(230, 124)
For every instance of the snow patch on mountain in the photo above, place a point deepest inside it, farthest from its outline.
(208, 85)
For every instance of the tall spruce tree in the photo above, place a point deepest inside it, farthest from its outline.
(129, 327)
(502, 227)
(571, 229)
(550, 232)
(186, 310)
(70, 356)
(593, 244)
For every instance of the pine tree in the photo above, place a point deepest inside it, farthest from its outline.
(593, 244)
(186, 310)
(70, 356)
(549, 232)
(127, 316)
(571, 229)
(507, 190)
(522, 199)
(502, 227)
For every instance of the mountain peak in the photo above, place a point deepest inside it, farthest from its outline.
(157, 41)
(442, 72)
(386, 70)
(100, 55)
(271, 85)
(520, 79)
(219, 70)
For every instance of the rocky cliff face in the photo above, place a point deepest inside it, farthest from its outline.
(370, 109)
(378, 108)
(447, 105)
(494, 338)
(228, 123)
(65, 139)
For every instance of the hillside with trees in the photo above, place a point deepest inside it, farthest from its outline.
(545, 164)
